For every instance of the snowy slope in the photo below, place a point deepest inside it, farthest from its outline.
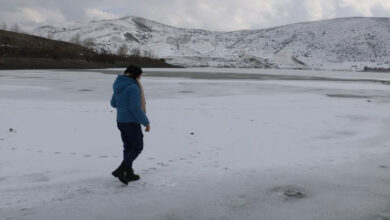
(343, 43)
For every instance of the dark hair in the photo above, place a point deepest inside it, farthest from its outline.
(133, 71)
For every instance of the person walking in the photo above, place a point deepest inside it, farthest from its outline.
(129, 101)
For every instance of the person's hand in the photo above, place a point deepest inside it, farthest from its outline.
(147, 129)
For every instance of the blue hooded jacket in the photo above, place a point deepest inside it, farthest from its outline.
(127, 101)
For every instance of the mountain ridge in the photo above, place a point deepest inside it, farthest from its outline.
(339, 43)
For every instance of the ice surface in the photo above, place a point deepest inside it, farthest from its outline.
(218, 148)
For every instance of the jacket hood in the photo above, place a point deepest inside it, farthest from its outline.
(122, 82)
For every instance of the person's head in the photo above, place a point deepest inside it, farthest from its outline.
(133, 71)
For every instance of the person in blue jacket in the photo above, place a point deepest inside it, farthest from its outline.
(129, 101)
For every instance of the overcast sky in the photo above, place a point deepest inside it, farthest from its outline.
(221, 15)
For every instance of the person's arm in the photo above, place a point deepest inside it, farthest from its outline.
(113, 102)
(135, 106)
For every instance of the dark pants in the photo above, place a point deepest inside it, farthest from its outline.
(133, 143)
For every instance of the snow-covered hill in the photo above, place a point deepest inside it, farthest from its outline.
(343, 43)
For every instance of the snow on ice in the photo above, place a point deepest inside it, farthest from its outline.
(228, 148)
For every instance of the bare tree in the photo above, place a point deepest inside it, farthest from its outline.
(148, 53)
(50, 36)
(135, 52)
(122, 50)
(89, 43)
(76, 39)
(4, 26)
(15, 28)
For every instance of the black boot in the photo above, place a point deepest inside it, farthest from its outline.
(130, 175)
(120, 173)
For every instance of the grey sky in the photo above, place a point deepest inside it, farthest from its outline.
(221, 15)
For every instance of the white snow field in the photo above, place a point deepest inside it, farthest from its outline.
(268, 148)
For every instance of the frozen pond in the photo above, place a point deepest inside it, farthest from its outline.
(224, 144)
(191, 82)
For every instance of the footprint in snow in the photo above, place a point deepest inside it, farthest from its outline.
(85, 90)
(84, 191)
(149, 169)
(25, 212)
(163, 164)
